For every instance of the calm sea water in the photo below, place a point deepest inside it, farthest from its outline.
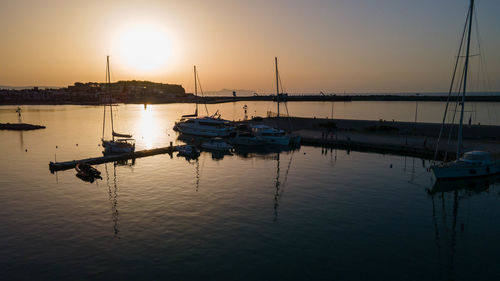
(307, 214)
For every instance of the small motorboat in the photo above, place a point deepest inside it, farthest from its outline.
(86, 171)
(243, 136)
(188, 151)
(85, 177)
(216, 144)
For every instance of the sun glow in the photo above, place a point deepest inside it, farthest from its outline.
(143, 48)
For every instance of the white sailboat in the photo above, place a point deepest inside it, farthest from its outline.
(119, 143)
(472, 163)
(208, 126)
(275, 136)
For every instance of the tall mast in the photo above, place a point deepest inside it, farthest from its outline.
(277, 86)
(196, 90)
(111, 97)
(466, 68)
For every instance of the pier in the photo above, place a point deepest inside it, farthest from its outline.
(58, 166)
(394, 147)
(391, 137)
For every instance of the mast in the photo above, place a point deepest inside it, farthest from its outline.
(277, 86)
(195, 90)
(103, 121)
(466, 68)
(108, 82)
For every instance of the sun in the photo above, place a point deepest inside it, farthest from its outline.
(143, 48)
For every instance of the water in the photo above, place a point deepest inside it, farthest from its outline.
(305, 214)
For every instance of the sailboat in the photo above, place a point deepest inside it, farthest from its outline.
(208, 126)
(472, 163)
(275, 136)
(119, 143)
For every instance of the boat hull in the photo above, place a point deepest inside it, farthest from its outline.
(216, 146)
(276, 140)
(189, 130)
(247, 141)
(114, 147)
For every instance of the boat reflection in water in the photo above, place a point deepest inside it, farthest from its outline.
(447, 229)
(113, 196)
(268, 152)
(280, 185)
(125, 162)
(467, 186)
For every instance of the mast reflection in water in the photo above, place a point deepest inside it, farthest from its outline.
(455, 228)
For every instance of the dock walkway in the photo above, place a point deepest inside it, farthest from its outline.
(410, 145)
(58, 166)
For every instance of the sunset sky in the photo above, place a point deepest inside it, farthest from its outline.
(329, 46)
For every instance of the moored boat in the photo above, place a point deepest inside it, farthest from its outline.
(243, 136)
(204, 126)
(271, 135)
(87, 172)
(119, 143)
(473, 163)
(125, 145)
(188, 150)
(208, 126)
(216, 144)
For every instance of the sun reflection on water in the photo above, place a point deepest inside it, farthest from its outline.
(149, 128)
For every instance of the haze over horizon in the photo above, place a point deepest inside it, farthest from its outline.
(329, 46)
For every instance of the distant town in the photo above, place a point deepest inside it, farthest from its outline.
(99, 93)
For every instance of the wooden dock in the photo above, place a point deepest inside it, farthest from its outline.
(58, 166)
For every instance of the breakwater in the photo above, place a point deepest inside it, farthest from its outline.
(401, 138)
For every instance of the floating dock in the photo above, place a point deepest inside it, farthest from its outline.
(58, 166)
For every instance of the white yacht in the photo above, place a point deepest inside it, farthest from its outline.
(208, 126)
(204, 126)
(271, 135)
(473, 163)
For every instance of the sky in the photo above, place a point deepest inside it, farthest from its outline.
(333, 46)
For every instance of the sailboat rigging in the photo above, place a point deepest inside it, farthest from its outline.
(195, 95)
(276, 136)
(472, 163)
(119, 143)
(208, 126)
